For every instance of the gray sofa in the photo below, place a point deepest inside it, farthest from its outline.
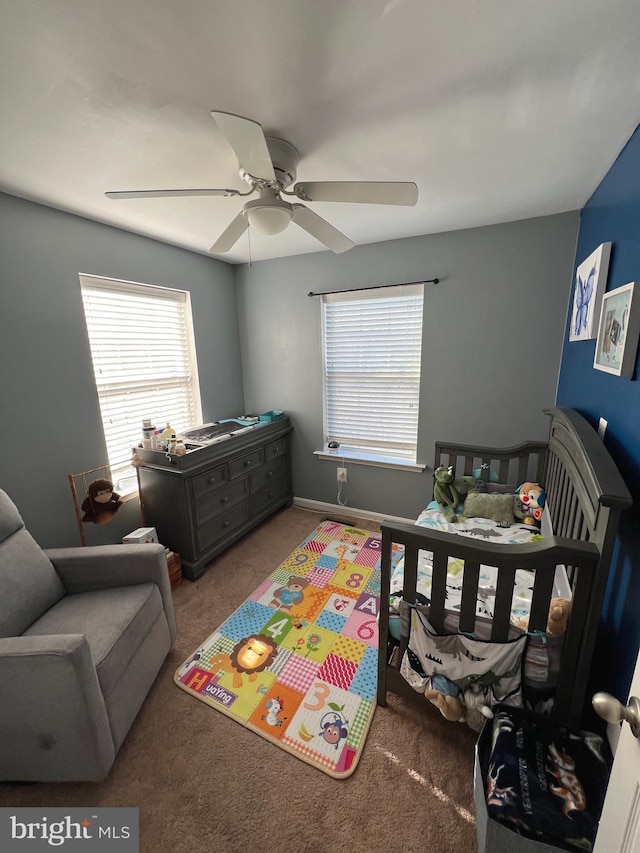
(83, 634)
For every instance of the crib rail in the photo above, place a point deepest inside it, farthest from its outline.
(585, 491)
(511, 465)
(540, 556)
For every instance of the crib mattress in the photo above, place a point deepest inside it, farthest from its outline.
(476, 528)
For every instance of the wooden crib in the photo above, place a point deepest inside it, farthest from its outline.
(585, 496)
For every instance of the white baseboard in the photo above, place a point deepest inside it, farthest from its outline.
(338, 511)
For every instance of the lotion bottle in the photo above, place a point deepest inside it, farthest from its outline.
(166, 434)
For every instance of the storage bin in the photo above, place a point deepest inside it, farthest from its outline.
(497, 837)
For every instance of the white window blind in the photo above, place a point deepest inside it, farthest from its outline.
(372, 346)
(143, 354)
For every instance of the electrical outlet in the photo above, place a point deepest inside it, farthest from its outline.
(342, 475)
(602, 428)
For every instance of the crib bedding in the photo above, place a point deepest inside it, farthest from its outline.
(475, 528)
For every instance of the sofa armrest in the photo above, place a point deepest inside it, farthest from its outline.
(53, 720)
(106, 566)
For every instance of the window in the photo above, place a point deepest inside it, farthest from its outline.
(143, 353)
(372, 345)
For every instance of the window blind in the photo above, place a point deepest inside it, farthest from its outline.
(372, 351)
(143, 355)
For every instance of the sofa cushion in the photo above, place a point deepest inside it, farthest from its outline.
(10, 518)
(115, 622)
(29, 584)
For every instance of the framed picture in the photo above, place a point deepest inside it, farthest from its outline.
(588, 288)
(617, 342)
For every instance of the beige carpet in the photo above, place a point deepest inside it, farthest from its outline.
(412, 791)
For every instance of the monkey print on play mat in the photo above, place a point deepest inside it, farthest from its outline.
(297, 662)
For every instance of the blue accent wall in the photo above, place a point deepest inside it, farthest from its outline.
(612, 214)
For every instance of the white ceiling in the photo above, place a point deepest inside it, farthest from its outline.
(497, 110)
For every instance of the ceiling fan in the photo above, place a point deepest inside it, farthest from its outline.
(268, 166)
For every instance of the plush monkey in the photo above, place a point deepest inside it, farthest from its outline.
(101, 503)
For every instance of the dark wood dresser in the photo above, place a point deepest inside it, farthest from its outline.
(202, 502)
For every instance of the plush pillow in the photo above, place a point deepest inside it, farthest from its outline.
(496, 507)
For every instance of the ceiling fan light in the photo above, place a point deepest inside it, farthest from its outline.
(269, 219)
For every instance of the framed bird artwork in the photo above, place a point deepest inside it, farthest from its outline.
(589, 286)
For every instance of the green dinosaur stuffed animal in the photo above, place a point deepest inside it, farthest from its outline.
(464, 485)
(445, 493)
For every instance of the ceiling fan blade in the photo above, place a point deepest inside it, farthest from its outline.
(230, 235)
(169, 193)
(246, 137)
(321, 229)
(360, 192)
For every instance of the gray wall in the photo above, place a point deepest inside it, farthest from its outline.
(49, 414)
(493, 331)
(492, 339)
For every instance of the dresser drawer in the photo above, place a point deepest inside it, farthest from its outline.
(267, 473)
(219, 501)
(275, 448)
(222, 525)
(275, 490)
(246, 464)
(205, 483)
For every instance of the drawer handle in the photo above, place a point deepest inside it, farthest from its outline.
(212, 480)
(247, 463)
(270, 474)
(226, 523)
(224, 499)
(276, 450)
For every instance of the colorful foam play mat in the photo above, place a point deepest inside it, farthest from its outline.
(297, 662)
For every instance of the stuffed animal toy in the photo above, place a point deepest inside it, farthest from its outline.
(476, 710)
(558, 619)
(463, 485)
(445, 695)
(445, 493)
(449, 706)
(532, 500)
(101, 503)
(467, 707)
(494, 506)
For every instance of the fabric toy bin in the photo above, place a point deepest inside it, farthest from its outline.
(552, 789)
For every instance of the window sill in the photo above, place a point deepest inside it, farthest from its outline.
(127, 487)
(375, 461)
